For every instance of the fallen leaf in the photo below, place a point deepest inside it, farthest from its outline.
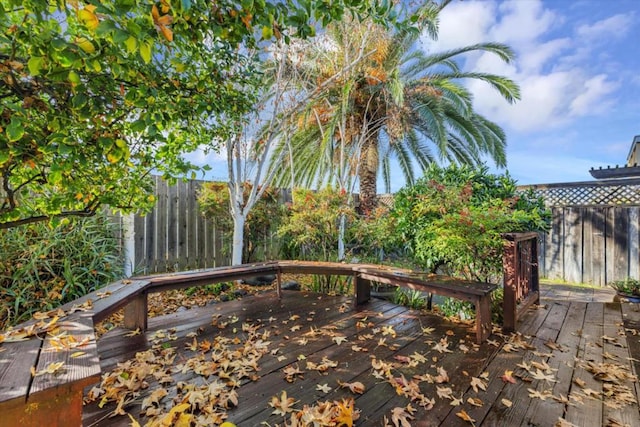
(508, 378)
(355, 387)
(507, 403)
(282, 405)
(323, 388)
(474, 401)
(466, 417)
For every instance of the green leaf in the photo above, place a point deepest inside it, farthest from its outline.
(74, 77)
(145, 51)
(267, 32)
(132, 44)
(35, 65)
(15, 130)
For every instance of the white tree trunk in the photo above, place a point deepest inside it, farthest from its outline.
(238, 239)
(129, 237)
(341, 231)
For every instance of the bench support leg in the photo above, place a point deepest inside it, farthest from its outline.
(135, 313)
(483, 318)
(61, 406)
(362, 288)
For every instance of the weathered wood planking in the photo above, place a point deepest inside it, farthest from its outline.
(592, 244)
(573, 244)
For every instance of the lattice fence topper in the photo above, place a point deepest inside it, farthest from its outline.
(613, 192)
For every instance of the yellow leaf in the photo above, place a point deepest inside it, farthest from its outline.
(77, 354)
(184, 420)
(227, 424)
(145, 51)
(134, 423)
(463, 414)
(88, 18)
(85, 45)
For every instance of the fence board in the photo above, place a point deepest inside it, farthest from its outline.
(554, 256)
(634, 242)
(572, 246)
(621, 244)
(596, 218)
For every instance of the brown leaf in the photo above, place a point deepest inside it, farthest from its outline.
(507, 377)
(466, 417)
(355, 387)
(282, 405)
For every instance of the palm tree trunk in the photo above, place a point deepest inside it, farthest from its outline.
(368, 177)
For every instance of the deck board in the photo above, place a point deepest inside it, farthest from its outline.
(577, 327)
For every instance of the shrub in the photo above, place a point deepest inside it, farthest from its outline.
(452, 219)
(42, 267)
(310, 231)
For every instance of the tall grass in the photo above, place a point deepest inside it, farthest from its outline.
(43, 267)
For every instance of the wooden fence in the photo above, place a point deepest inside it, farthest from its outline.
(174, 236)
(595, 231)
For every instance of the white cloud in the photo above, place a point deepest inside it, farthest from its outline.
(595, 90)
(553, 66)
(615, 26)
(522, 22)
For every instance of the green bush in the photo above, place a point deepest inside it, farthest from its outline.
(452, 219)
(310, 231)
(42, 267)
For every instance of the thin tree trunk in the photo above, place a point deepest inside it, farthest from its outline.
(238, 238)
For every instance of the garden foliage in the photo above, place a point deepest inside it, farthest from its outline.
(452, 219)
(43, 267)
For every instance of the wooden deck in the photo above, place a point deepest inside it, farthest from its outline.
(560, 342)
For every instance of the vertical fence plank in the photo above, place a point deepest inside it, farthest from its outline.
(609, 245)
(572, 245)
(634, 242)
(554, 245)
(596, 219)
(621, 243)
(182, 210)
(161, 228)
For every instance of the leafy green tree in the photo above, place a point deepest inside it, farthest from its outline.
(397, 102)
(96, 95)
(453, 218)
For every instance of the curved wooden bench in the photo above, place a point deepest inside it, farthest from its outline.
(54, 396)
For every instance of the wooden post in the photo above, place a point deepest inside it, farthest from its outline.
(483, 318)
(509, 266)
(135, 313)
(362, 289)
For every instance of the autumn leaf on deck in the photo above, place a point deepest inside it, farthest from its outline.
(154, 398)
(323, 388)
(507, 403)
(52, 368)
(507, 377)
(428, 330)
(339, 339)
(283, 404)
(291, 372)
(444, 392)
(477, 383)
(466, 417)
(442, 346)
(539, 375)
(474, 401)
(553, 345)
(346, 413)
(401, 417)
(539, 395)
(356, 387)
(564, 423)
(388, 330)
(442, 377)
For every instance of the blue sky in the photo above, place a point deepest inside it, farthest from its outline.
(578, 67)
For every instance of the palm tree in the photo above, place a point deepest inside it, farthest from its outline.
(392, 100)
